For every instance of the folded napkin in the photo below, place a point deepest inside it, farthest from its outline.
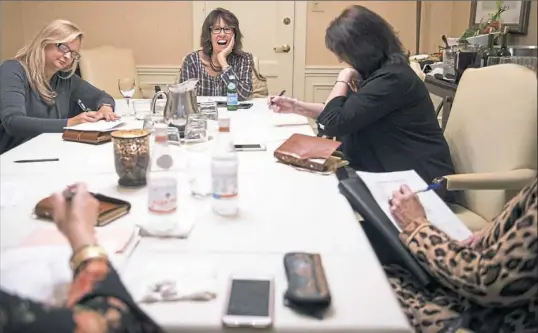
(192, 284)
(180, 228)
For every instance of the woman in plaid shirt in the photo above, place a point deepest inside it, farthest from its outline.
(220, 57)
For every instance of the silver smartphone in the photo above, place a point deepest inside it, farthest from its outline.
(249, 147)
(250, 302)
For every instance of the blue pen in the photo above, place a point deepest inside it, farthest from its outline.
(434, 186)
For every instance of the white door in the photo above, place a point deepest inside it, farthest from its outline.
(268, 32)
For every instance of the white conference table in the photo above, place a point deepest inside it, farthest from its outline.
(281, 210)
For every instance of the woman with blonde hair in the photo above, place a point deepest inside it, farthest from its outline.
(39, 91)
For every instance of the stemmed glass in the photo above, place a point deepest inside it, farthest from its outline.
(127, 89)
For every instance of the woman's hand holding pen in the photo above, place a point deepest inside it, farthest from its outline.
(405, 206)
(84, 117)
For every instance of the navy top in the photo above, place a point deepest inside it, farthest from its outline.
(389, 125)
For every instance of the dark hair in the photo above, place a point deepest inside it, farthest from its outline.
(213, 17)
(364, 40)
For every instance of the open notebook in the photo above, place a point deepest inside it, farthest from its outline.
(381, 186)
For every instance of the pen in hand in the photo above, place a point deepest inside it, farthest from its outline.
(281, 94)
(434, 186)
(82, 106)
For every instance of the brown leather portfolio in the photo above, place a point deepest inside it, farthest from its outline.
(110, 209)
(94, 138)
(309, 152)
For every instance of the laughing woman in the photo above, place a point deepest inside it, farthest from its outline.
(39, 90)
(220, 57)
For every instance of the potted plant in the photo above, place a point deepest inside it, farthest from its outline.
(487, 25)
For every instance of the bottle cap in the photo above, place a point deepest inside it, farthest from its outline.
(224, 124)
(161, 132)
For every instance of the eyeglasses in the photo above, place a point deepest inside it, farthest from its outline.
(65, 49)
(217, 30)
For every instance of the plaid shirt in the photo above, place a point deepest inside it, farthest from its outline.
(240, 67)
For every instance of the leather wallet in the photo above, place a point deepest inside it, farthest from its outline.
(309, 152)
(110, 209)
(308, 290)
(92, 137)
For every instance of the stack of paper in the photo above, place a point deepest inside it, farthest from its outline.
(98, 126)
(381, 186)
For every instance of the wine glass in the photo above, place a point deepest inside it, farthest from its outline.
(127, 90)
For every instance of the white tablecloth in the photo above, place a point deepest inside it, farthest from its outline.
(281, 210)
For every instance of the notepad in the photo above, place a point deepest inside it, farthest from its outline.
(98, 126)
(119, 239)
(381, 186)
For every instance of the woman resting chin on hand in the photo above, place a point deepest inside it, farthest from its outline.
(97, 300)
(487, 283)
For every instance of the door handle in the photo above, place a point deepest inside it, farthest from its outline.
(285, 48)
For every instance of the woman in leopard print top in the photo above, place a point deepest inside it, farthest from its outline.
(492, 279)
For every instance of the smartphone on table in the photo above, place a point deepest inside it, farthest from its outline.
(250, 302)
(249, 147)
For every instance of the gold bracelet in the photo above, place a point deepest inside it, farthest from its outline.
(87, 253)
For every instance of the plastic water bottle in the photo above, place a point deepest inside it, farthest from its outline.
(162, 183)
(224, 166)
(232, 103)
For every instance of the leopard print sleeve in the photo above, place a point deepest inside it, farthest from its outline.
(504, 273)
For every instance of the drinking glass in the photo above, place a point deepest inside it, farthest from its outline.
(211, 113)
(127, 89)
(142, 108)
(493, 61)
(196, 129)
(199, 170)
(131, 156)
(507, 60)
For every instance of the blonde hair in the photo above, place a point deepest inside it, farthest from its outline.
(32, 55)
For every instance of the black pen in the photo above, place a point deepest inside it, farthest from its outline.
(38, 160)
(82, 106)
(281, 94)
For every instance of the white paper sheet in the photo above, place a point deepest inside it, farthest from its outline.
(288, 119)
(10, 193)
(42, 273)
(98, 126)
(381, 185)
(205, 99)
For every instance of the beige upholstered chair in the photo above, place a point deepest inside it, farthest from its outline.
(104, 65)
(259, 82)
(491, 132)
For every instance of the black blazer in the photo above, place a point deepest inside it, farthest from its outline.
(388, 125)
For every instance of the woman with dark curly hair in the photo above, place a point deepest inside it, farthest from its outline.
(220, 57)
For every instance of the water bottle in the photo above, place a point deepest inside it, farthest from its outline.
(162, 183)
(232, 103)
(224, 166)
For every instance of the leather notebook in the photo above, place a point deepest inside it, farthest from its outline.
(92, 137)
(110, 209)
(309, 152)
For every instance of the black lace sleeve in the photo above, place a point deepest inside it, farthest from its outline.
(97, 302)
